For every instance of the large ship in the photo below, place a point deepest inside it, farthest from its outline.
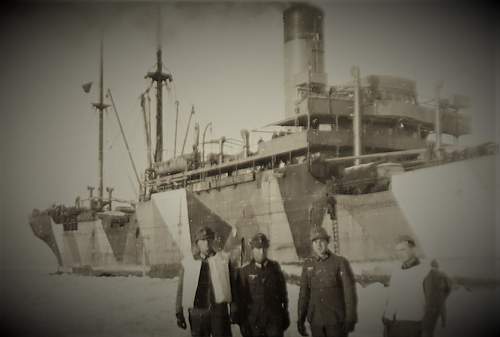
(330, 162)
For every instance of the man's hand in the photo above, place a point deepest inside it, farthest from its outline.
(349, 327)
(181, 321)
(301, 328)
(244, 329)
(286, 319)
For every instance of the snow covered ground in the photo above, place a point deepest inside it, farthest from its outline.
(35, 303)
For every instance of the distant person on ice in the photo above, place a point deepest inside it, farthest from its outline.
(327, 297)
(205, 289)
(417, 294)
(262, 294)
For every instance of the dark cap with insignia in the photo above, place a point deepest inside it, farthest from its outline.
(204, 233)
(259, 241)
(318, 232)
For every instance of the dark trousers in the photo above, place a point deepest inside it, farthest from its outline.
(210, 322)
(267, 330)
(327, 331)
(262, 321)
(402, 329)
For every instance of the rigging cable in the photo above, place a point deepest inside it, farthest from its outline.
(124, 138)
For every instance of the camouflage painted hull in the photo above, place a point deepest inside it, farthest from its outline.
(108, 243)
(282, 203)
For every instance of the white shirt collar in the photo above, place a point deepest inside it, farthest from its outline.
(260, 265)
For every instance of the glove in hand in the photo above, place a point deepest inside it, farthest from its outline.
(349, 326)
(301, 328)
(181, 321)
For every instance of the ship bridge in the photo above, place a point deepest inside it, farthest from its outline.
(386, 101)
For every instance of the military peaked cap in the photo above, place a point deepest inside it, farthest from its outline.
(259, 241)
(318, 232)
(204, 233)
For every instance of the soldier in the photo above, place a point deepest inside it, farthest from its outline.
(327, 296)
(205, 289)
(417, 294)
(263, 299)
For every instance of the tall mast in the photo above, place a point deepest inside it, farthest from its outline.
(100, 106)
(176, 123)
(159, 77)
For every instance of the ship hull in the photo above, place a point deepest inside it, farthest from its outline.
(107, 244)
(284, 204)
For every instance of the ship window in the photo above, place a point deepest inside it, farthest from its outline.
(116, 225)
(119, 222)
(70, 226)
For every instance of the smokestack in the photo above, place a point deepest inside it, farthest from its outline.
(304, 53)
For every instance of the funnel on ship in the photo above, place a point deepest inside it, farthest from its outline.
(304, 54)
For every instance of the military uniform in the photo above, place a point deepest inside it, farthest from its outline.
(327, 297)
(262, 297)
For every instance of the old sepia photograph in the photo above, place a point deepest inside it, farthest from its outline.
(249, 168)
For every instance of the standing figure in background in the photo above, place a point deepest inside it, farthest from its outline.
(205, 289)
(327, 297)
(417, 294)
(263, 298)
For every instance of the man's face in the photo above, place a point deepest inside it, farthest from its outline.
(218, 244)
(320, 246)
(259, 254)
(204, 246)
(404, 251)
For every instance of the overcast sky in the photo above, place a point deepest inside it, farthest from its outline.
(226, 60)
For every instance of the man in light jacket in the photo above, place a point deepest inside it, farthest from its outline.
(417, 294)
(205, 289)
